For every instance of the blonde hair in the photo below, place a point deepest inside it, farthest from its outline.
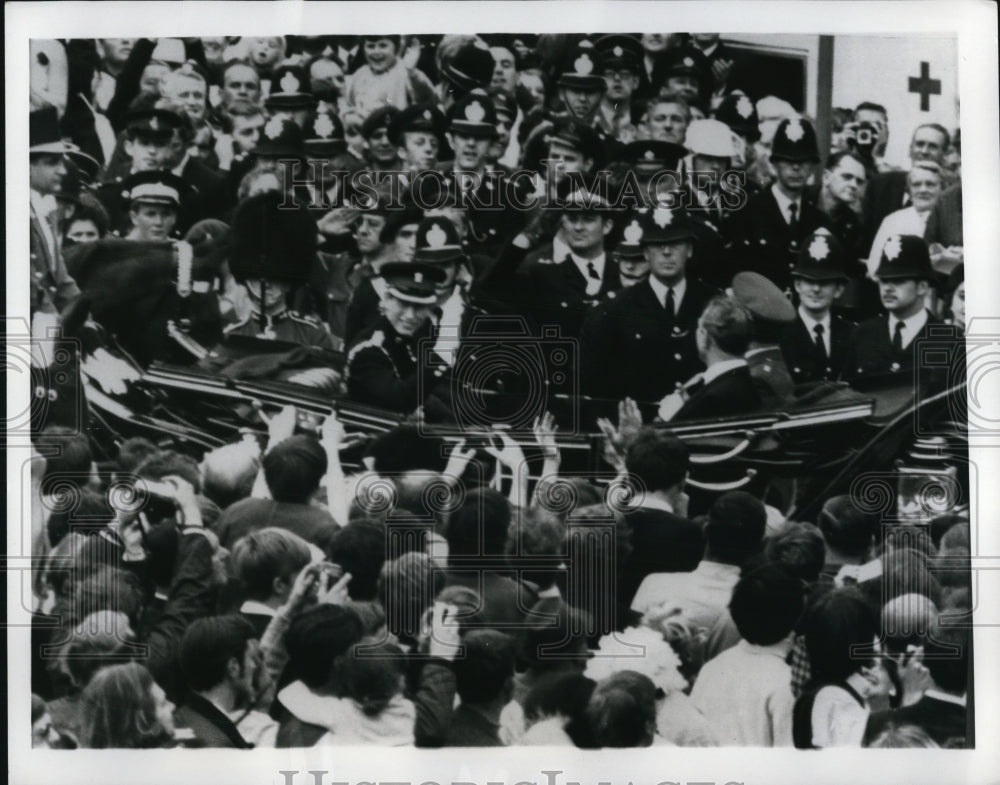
(119, 711)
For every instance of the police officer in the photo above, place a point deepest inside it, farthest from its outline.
(621, 61)
(273, 250)
(385, 368)
(154, 198)
(884, 347)
(641, 342)
(382, 155)
(766, 235)
(633, 269)
(290, 96)
(581, 83)
(465, 67)
(771, 312)
(738, 112)
(817, 342)
(686, 72)
(656, 167)
(419, 135)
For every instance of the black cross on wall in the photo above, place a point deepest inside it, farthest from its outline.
(925, 86)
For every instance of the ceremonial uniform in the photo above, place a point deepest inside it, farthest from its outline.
(287, 326)
(771, 313)
(771, 375)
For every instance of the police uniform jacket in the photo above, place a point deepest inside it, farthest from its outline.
(328, 292)
(872, 355)
(288, 326)
(52, 287)
(629, 349)
(771, 375)
(384, 370)
(730, 393)
(805, 362)
(759, 239)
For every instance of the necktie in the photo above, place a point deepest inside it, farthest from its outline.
(897, 338)
(820, 345)
(668, 305)
(592, 271)
(793, 217)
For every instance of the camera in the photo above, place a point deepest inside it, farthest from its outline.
(864, 137)
(502, 375)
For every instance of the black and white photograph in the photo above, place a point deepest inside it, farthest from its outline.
(529, 380)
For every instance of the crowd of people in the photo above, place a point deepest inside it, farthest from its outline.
(364, 206)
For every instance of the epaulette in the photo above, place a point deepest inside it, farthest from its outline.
(376, 341)
(234, 326)
(304, 318)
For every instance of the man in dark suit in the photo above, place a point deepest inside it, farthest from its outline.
(725, 388)
(661, 539)
(941, 711)
(885, 346)
(765, 236)
(887, 192)
(639, 343)
(816, 343)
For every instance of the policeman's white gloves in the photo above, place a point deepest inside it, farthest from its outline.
(444, 633)
(669, 406)
(111, 373)
(617, 438)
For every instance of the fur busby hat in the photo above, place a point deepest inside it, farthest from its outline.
(272, 240)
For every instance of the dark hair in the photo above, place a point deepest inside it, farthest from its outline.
(537, 533)
(372, 680)
(118, 710)
(766, 604)
(729, 325)
(840, 628)
(407, 586)
(622, 711)
(871, 107)
(208, 646)
(940, 526)
(293, 469)
(906, 571)
(71, 464)
(847, 528)
(397, 40)
(479, 527)
(89, 211)
(735, 527)
(565, 694)
(800, 547)
(482, 674)
(834, 160)
(166, 462)
(261, 556)
(657, 460)
(360, 550)
(107, 588)
(91, 648)
(90, 513)
(134, 451)
(555, 640)
(946, 655)
(940, 129)
(316, 637)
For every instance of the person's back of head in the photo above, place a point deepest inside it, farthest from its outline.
(133, 452)
(728, 325)
(371, 675)
(100, 640)
(228, 473)
(316, 637)
(657, 461)
(800, 547)
(766, 605)
(407, 587)
(170, 462)
(71, 465)
(559, 643)
(108, 589)
(293, 469)
(946, 655)
(484, 673)
(118, 710)
(537, 534)
(565, 694)
(622, 711)
(847, 529)
(208, 647)
(906, 620)
(360, 550)
(907, 571)
(838, 627)
(735, 527)
(479, 526)
(903, 737)
(266, 562)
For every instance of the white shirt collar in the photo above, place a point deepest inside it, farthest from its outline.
(650, 502)
(784, 202)
(42, 204)
(593, 284)
(660, 290)
(811, 323)
(944, 696)
(718, 369)
(257, 607)
(911, 326)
